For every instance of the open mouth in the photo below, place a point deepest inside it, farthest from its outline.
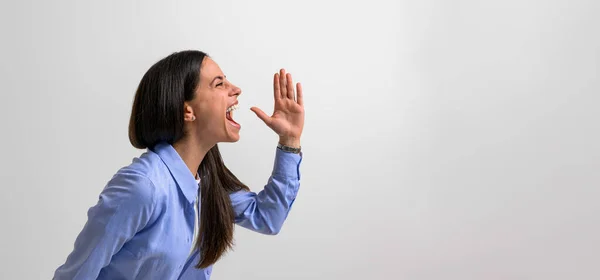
(229, 115)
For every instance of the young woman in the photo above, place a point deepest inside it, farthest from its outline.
(170, 214)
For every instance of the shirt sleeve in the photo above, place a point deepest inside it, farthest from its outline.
(123, 208)
(265, 212)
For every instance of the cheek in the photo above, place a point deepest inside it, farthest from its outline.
(211, 111)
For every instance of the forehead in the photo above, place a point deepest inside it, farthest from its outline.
(209, 70)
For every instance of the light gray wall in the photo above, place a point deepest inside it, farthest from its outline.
(443, 139)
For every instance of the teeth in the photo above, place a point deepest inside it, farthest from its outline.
(232, 108)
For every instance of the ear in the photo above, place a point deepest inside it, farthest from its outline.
(188, 113)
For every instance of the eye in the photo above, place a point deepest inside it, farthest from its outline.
(219, 84)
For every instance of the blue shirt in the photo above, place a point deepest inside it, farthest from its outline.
(142, 226)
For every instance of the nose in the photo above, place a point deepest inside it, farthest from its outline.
(236, 91)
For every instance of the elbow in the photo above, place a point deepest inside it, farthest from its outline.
(273, 229)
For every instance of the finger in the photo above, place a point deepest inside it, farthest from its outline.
(300, 97)
(290, 87)
(261, 115)
(282, 86)
(276, 91)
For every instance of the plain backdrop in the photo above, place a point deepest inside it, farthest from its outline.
(443, 139)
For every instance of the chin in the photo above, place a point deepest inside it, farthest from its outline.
(231, 137)
(232, 132)
(234, 138)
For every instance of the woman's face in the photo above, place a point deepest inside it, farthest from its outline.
(213, 105)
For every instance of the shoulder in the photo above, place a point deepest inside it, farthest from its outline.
(131, 190)
(134, 182)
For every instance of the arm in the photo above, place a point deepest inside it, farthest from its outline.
(266, 211)
(124, 207)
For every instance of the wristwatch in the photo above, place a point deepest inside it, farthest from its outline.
(288, 148)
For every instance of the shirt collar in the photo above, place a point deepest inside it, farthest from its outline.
(180, 172)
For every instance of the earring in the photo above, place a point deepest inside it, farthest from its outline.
(193, 118)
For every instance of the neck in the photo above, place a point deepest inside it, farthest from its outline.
(192, 152)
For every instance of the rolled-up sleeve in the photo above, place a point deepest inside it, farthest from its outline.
(123, 208)
(266, 211)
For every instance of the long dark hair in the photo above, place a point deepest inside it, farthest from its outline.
(157, 116)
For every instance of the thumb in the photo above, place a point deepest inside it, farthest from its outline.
(261, 115)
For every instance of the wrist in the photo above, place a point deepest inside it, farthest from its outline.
(290, 142)
(289, 149)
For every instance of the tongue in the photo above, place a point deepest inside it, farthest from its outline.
(228, 116)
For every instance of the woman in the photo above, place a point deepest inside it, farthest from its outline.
(170, 214)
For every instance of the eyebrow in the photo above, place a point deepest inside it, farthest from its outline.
(218, 77)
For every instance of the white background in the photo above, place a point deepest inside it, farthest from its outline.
(443, 139)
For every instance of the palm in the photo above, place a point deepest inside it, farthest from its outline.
(288, 114)
(287, 118)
